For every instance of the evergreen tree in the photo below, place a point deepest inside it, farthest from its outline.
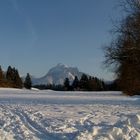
(17, 80)
(83, 82)
(75, 83)
(92, 84)
(1, 74)
(66, 84)
(9, 74)
(2, 78)
(28, 82)
(13, 78)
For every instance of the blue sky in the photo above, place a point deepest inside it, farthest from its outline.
(37, 34)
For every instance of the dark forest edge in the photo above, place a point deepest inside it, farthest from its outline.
(12, 79)
(85, 83)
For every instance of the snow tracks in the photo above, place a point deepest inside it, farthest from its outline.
(69, 122)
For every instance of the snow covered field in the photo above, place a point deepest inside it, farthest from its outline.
(51, 115)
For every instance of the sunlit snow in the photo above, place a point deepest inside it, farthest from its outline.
(52, 115)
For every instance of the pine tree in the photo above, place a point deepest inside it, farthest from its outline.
(83, 82)
(66, 84)
(75, 83)
(1, 77)
(17, 80)
(13, 78)
(28, 82)
(1, 74)
(9, 74)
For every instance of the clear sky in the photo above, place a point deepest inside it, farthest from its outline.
(35, 35)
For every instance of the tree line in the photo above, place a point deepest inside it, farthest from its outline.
(85, 83)
(12, 79)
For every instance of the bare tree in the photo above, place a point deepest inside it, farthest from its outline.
(124, 50)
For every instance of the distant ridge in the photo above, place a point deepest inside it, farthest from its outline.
(57, 75)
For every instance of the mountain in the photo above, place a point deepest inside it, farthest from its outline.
(57, 75)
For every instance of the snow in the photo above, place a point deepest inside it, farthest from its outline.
(57, 74)
(50, 115)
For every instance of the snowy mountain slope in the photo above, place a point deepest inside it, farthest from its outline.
(51, 115)
(57, 74)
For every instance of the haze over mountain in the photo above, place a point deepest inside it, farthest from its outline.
(57, 75)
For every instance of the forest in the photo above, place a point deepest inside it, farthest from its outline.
(11, 78)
